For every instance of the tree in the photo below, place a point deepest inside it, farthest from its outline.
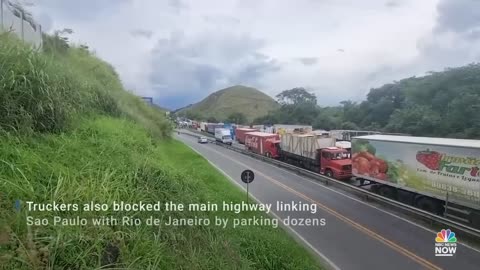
(349, 126)
(352, 112)
(269, 119)
(416, 120)
(58, 42)
(441, 104)
(237, 118)
(326, 122)
(193, 115)
(296, 96)
(212, 119)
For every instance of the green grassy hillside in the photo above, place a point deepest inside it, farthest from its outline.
(69, 133)
(236, 99)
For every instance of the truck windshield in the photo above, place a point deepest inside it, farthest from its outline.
(340, 155)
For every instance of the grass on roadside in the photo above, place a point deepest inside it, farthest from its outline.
(70, 133)
(106, 160)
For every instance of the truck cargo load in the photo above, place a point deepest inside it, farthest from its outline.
(433, 167)
(344, 145)
(231, 128)
(262, 143)
(211, 127)
(241, 132)
(305, 145)
(282, 129)
(203, 126)
(223, 135)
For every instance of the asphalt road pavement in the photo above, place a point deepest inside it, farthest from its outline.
(356, 235)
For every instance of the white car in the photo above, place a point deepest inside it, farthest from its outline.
(202, 140)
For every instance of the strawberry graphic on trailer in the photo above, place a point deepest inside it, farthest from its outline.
(430, 159)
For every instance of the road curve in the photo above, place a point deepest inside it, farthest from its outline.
(356, 235)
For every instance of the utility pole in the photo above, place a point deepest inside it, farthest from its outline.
(1, 14)
(22, 17)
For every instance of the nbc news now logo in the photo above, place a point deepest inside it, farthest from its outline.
(446, 243)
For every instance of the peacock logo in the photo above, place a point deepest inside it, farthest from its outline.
(446, 236)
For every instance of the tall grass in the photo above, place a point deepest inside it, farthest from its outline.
(44, 92)
(106, 160)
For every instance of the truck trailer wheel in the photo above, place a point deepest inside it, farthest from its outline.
(475, 219)
(429, 205)
(361, 180)
(387, 191)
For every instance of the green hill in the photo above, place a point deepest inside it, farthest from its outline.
(236, 99)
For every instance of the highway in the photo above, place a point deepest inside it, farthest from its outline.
(357, 235)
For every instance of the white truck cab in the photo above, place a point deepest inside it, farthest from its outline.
(223, 135)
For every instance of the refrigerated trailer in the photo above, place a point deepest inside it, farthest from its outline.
(435, 174)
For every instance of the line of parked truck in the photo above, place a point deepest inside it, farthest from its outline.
(435, 174)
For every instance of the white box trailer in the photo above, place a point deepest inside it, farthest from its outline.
(203, 126)
(439, 168)
(347, 135)
(305, 145)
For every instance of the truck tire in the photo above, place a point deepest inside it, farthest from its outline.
(387, 191)
(475, 219)
(429, 205)
(268, 155)
(329, 173)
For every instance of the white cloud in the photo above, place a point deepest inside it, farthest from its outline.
(191, 48)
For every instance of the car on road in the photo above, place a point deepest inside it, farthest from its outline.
(202, 140)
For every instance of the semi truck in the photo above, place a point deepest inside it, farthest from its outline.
(307, 150)
(438, 175)
(241, 132)
(223, 135)
(316, 153)
(263, 143)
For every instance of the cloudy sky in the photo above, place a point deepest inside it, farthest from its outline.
(179, 51)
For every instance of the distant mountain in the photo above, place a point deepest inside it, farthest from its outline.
(236, 99)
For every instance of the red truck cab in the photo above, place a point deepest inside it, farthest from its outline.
(266, 144)
(336, 163)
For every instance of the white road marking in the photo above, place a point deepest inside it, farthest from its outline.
(327, 260)
(360, 201)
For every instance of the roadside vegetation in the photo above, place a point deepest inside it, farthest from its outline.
(441, 104)
(70, 133)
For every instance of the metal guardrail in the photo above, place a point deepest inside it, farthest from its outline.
(368, 195)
